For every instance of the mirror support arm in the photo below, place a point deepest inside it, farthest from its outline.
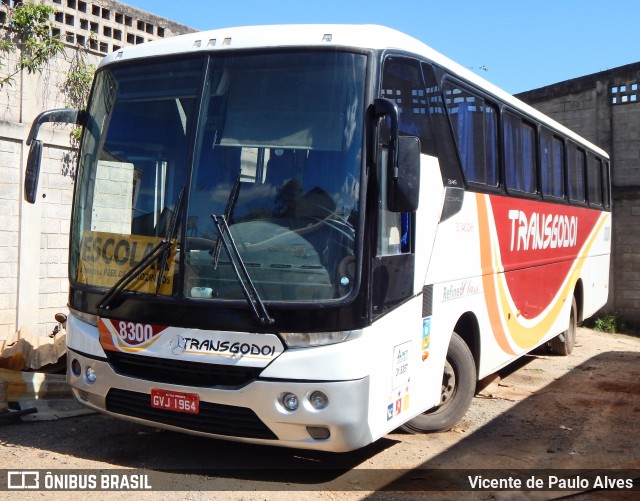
(61, 115)
(32, 173)
(386, 107)
(403, 182)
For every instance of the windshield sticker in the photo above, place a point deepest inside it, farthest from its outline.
(106, 257)
(226, 348)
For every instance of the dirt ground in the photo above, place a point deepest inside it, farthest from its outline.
(544, 415)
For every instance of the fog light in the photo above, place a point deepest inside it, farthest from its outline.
(290, 402)
(318, 432)
(90, 375)
(76, 369)
(318, 400)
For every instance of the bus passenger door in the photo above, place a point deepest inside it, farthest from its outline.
(404, 245)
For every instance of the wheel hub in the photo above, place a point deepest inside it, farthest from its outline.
(448, 383)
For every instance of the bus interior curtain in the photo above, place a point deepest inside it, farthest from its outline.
(490, 175)
(511, 149)
(528, 155)
(465, 140)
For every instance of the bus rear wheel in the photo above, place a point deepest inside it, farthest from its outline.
(563, 343)
(458, 388)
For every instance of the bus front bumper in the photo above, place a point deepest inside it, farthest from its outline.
(253, 413)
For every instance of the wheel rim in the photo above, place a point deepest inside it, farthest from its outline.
(571, 331)
(448, 385)
(456, 391)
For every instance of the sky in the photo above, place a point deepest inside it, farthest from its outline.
(518, 45)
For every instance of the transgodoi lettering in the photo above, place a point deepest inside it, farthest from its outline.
(542, 231)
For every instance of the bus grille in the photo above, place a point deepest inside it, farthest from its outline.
(180, 372)
(217, 419)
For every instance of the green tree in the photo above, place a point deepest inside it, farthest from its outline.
(28, 32)
(75, 89)
(77, 85)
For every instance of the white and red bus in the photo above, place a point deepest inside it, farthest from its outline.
(308, 236)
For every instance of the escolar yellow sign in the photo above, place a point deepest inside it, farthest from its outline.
(106, 257)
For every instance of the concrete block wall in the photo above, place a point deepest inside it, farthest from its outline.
(55, 197)
(626, 242)
(34, 239)
(625, 120)
(106, 25)
(10, 154)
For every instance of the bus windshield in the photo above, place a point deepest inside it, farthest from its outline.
(269, 144)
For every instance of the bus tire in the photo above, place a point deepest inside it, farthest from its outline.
(458, 388)
(563, 343)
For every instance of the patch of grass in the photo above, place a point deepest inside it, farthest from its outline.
(608, 323)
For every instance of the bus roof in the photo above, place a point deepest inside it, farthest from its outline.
(322, 35)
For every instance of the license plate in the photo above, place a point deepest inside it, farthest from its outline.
(175, 401)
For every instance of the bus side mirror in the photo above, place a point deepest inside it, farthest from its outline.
(404, 178)
(33, 171)
(403, 175)
(64, 115)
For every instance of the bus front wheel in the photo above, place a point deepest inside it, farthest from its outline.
(564, 342)
(458, 388)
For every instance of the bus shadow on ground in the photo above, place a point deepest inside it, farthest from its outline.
(178, 459)
(581, 421)
(586, 420)
(208, 464)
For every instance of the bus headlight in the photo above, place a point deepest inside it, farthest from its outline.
(290, 401)
(76, 368)
(90, 375)
(318, 400)
(310, 339)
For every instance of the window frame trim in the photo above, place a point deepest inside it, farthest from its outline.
(578, 203)
(531, 195)
(489, 100)
(554, 135)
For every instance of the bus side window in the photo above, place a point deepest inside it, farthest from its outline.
(402, 83)
(519, 140)
(475, 126)
(575, 172)
(605, 185)
(551, 165)
(594, 180)
(390, 224)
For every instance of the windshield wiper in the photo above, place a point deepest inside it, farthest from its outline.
(248, 289)
(231, 202)
(169, 236)
(160, 251)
